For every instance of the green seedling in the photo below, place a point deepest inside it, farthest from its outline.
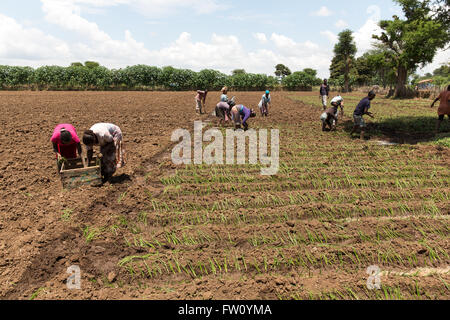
(66, 214)
(35, 294)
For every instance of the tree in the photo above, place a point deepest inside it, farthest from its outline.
(441, 13)
(364, 71)
(311, 72)
(76, 64)
(300, 80)
(238, 71)
(372, 68)
(210, 79)
(415, 78)
(91, 64)
(344, 56)
(382, 67)
(11, 76)
(312, 76)
(177, 79)
(443, 71)
(411, 42)
(282, 71)
(336, 69)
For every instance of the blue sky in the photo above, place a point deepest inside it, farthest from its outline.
(194, 34)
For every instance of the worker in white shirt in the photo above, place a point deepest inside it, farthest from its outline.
(331, 115)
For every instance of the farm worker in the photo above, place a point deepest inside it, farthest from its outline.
(200, 100)
(224, 97)
(361, 109)
(240, 115)
(337, 102)
(65, 141)
(109, 137)
(324, 92)
(223, 110)
(331, 115)
(444, 107)
(265, 103)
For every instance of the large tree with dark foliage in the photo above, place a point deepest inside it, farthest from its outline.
(282, 71)
(344, 56)
(415, 40)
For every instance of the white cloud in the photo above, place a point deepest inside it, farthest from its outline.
(19, 44)
(149, 8)
(341, 24)
(226, 53)
(442, 57)
(261, 37)
(163, 8)
(322, 12)
(300, 55)
(67, 15)
(99, 44)
(284, 43)
(221, 52)
(363, 36)
(330, 35)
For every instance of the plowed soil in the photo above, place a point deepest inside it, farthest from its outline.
(160, 231)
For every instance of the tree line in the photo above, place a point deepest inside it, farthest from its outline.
(92, 76)
(403, 46)
(440, 76)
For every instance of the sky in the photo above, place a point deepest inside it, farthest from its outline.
(194, 34)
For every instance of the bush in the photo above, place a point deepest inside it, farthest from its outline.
(210, 79)
(177, 79)
(92, 76)
(50, 77)
(251, 82)
(300, 80)
(139, 75)
(11, 77)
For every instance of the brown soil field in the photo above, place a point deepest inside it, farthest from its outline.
(161, 231)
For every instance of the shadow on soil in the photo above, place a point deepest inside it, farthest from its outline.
(404, 130)
(120, 179)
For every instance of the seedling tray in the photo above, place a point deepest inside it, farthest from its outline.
(74, 174)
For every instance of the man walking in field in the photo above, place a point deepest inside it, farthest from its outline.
(200, 101)
(324, 92)
(444, 107)
(362, 109)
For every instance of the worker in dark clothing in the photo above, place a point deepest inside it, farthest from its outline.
(324, 92)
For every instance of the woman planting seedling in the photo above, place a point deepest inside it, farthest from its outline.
(240, 115)
(109, 137)
(200, 101)
(65, 142)
(265, 103)
(223, 110)
(361, 109)
(444, 107)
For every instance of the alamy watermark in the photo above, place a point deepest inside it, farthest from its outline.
(74, 280)
(214, 152)
(374, 280)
